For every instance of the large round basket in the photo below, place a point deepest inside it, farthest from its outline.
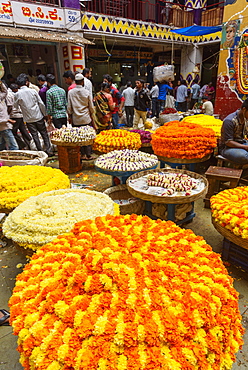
(167, 199)
(120, 173)
(121, 192)
(230, 235)
(146, 145)
(64, 143)
(184, 160)
(23, 157)
(6, 210)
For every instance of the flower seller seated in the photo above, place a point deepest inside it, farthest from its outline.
(233, 143)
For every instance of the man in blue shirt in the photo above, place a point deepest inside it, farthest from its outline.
(163, 89)
(195, 93)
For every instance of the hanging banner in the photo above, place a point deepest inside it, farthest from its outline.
(6, 12)
(72, 20)
(37, 15)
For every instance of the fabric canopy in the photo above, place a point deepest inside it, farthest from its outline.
(197, 30)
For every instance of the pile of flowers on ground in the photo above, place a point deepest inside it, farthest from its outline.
(206, 121)
(169, 111)
(146, 136)
(126, 160)
(183, 140)
(40, 219)
(126, 292)
(18, 183)
(109, 140)
(73, 134)
(230, 210)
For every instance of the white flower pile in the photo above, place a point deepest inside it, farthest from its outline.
(74, 134)
(172, 182)
(126, 160)
(40, 219)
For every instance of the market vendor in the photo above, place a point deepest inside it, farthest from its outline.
(233, 144)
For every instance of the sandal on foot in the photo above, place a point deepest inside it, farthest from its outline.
(4, 320)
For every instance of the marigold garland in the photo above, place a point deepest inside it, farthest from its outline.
(230, 210)
(126, 292)
(206, 121)
(109, 140)
(18, 183)
(38, 220)
(183, 140)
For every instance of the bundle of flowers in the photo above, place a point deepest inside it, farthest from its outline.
(169, 111)
(229, 209)
(126, 160)
(126, 292)
(206, 121)
(40, 219)
(183, 140)
(18, 183)
(73, 134)
(145, 136)
(173, 182)
(109, 140)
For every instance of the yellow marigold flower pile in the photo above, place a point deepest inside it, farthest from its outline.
(206, 121)
(38, 220)
(18, 183)
(183, 140)
(126, 292)
(230, 210)
(109, 140)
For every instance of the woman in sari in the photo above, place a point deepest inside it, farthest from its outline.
(104, 106)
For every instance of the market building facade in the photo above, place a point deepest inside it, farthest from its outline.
(40, 37)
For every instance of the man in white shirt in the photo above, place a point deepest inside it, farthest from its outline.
(80, 109)
(87, 83)
(154, 93)
(182, 94)
(34, 111)
(129, 94)
(207, 106)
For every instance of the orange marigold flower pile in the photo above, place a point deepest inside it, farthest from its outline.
(126, 292)
(183, 140)
(109, 140)
(230, 210)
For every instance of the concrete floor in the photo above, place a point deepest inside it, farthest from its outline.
(10, 257)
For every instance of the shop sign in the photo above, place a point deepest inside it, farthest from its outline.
(37, 15)
(72, 20)
(6, 12)
(129, 54)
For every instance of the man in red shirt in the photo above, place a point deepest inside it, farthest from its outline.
(69, 78)
(118, 99)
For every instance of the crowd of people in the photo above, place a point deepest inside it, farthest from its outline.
(30, 108)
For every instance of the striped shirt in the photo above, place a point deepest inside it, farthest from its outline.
(56, 102)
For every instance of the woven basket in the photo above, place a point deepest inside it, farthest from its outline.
(64, 143)
(6, 210)
(146, 145)
(241, 242)
(167, 199)
(121, 192)
(184, 160)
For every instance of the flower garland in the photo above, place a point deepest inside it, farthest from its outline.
(126, 292)
(126, 160)
(38, 220)
(183, 140)
(73, 134)
(18, 183)
(229, 209)
(206, 121)
(109, 140)
(146, 136)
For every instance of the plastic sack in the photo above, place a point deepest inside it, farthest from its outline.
(163, 118)
(170, 102)
(163, 73)
(22, 158)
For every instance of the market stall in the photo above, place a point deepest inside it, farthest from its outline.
(170, 187)
(123, 163)
(69, 142)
